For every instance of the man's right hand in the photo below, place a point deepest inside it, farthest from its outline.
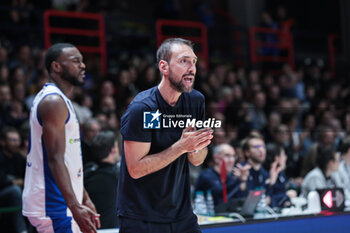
(84, 216)
(192, 139)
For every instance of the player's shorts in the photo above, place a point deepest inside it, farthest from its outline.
(188, 225)
(56, 224)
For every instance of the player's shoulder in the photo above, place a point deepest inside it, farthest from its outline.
(52, 101)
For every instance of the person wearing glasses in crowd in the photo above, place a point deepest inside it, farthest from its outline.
(254, 150)
(210, 178)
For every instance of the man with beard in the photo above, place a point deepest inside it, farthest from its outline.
(54, 198)
(254, 150)
(154, 185)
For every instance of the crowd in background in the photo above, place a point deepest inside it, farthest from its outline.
(297, 109)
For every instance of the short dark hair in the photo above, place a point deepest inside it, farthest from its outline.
(245, 142)
(102, 145)
(6, 130)
(164, 50)
(272, 150)
(54, 52)
(324, 155)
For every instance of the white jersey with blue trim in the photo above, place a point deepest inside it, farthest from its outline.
(41, 196)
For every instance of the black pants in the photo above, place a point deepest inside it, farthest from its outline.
(188, 225)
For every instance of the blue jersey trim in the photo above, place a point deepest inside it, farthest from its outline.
(29, 140)
(69, 106)
(55, 204)
(62, 224)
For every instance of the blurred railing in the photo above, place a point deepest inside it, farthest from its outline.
(60, 23)
(332, 50)
(112, 35)
(271, 45)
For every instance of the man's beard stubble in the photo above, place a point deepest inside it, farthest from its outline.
(179, 86)
(72, 79)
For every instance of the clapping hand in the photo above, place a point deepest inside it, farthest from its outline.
(242, 172)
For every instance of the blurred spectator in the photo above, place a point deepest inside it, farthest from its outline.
(107, 105)
(20, 13)
(276, 157)
(230, 79)
(5, 103)
(91, 128)
(339, 134)
(17, 75)
(267, 80)
(232, 110)
(309, 161)
(257, 110)
(3, 56)
(306, 136)
(42, 78)
(23, 65)
(313, 76)
(285, 22)
(253, 82)
(109, 109)
(82, 104)
(4, 74)
(106, 89)
(254, 150)
(65, 5)
(219, 137)
(285, 108)
(18, 91)
(11, 196)
(18, 111)
(206, 14)
(220, 71)
(125, 88)
(210, 179)
(101, 177)
(343, 174)
(346, 121)
(17, 114)
(148, 78)
(4, 70)
(210, 88)
(282, 138)
(325, 135)
(11, 161)
(102, 118)
(225, 97)
(310, 98)
(327, 162)
(273, 121)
